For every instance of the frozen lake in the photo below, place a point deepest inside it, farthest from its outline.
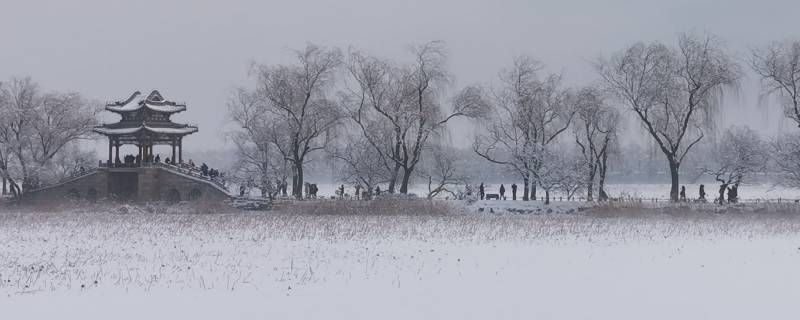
(90, 264)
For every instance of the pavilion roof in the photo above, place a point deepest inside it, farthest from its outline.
(184, 130)
(154, 101)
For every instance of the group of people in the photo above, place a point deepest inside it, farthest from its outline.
(733, 193)
(502, 194)
(310, 190)
(360, 193)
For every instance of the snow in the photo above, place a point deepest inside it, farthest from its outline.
(165, 107)
(182, 130)
(132, 104)
(463, 266)
(103, 130)
(645, 191)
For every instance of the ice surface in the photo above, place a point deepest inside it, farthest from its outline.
(84, 264)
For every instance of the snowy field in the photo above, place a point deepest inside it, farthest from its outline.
(99, 263)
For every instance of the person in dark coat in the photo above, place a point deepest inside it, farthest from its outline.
(702, 192)
(204, 169)
(480, 190)
(358, 192)
(514, 191)
(341, 192)
(377, 191)
(502, 192)
(733, 194)
(158, 158)
(683, 193)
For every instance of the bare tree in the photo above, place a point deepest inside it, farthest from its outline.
(71, 160)
(377, 103)
(361, 165)
(296, 112)
(785, 152)
(595, 127)
(778, 65)
(739, 154)
(36, 126)
(399, 108)
(441, 171)
(527, 114)
(560, 170)
(257, 161)
(673, 92)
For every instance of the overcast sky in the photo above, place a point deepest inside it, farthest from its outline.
(196, 51)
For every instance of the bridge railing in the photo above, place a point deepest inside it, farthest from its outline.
(187, 170)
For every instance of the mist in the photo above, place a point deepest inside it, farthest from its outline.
(198, 51)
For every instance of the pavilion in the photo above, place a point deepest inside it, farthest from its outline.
(145, 123)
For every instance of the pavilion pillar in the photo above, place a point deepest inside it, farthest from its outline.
(110, 151)
(180, 151)
(173, 152)
(116, 146)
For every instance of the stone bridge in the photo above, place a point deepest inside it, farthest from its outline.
(135, 184)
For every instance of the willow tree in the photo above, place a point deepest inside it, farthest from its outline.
(399, 108)
(595, 128)
(778, 66)
(294, 109)
(35, 127)
(674, 92)
(528, 113)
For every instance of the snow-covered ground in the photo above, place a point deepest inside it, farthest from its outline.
(88, 264)
(647, 191)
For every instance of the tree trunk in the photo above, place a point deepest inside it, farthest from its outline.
(673, 172)
(546, 196)
(295, 185)
(601, 191)
(5, 188)
(299, 195)
(526, 184)
(404, 183)
(533, 190)
(15, 191)
(393, 179)
(590, 184)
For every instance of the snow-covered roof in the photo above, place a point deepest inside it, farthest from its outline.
(154, 101)
(120, 131)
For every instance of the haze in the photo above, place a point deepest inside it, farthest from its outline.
(197, 51)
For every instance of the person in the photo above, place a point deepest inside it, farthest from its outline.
(514, 191)
(158, 158)
(377, 190)
(502, 192)
(683, 193)
(702, 193)
(721, 198)
(341, 192)
(167, 161)
(358, 194)
(204, 169)
(82, 170)
(480, 190)
(732, 193)
(241, 190)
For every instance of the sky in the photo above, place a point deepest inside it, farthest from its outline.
(197, 51)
